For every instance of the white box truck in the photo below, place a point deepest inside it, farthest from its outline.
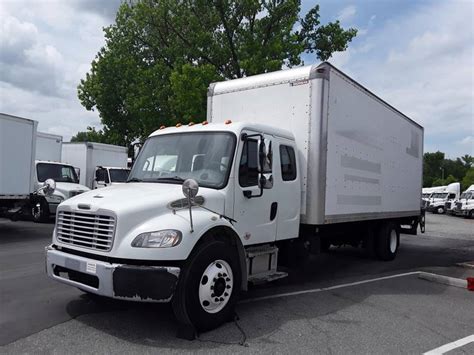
(465, 205)
(19, 189)
(288, 164)
(48, 147)
(99, 164)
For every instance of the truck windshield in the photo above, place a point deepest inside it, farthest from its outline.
(440, 195)
(58, 172)
(173, 158)
(119, 175)
(465, 195)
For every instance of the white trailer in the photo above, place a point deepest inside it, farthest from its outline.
(361, 158)
(88, 157)
(289, 164)
(17, 157)
(48, 147)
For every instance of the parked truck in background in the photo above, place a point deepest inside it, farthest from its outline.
(48, 147)
(287, 164)
(99, 164)
(465, 205)
(19, 189)
(439, 200)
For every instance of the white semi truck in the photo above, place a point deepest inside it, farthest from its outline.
(440, 201)
(287, 164)
(99, 164)
(465, 205)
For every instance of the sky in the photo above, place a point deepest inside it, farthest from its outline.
(416, 55)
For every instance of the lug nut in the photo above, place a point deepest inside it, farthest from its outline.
(226, 294)
(224, 274)
(216, 299)
(221, 299)
(227, 287)
(219, 274)
(212, 295)
(227, 279)
(212, 287)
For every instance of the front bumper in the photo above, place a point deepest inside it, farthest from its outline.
(126, 282)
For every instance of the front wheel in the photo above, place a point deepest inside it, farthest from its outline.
(40, 211)
(209, 286)
(440, 210)
(388, 241)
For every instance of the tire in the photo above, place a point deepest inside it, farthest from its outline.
(40, 211)
(470, 215)
(388, 241)
(206, 297)
(440, 210)
(325, 245)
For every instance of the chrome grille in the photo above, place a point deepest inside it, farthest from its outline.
(86, 230)
(458, 205)
(447, 205)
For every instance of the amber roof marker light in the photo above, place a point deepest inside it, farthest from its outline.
(228, 121)
(204, 123)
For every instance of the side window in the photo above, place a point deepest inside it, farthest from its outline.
(248, 168)
(288, 163)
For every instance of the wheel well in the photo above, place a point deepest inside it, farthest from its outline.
(229, 236)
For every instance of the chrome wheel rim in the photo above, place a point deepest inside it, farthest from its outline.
(37, 211)
(215, 286)
(393, 241)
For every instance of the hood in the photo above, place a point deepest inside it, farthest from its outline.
(69, 189)
(140, 199)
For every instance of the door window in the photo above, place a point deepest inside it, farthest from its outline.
(248, 168)
(288, 163)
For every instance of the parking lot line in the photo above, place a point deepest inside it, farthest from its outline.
(315, 290)
(451, 281)
(451, 346)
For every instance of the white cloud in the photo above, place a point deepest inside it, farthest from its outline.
(347, 14)
(422, 63)
(46, 47)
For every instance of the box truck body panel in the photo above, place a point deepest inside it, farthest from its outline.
(17, 156)
(48, 147)
(361, 158)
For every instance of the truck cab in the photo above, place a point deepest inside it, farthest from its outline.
(465, 205)
(107, 176)
(440, 202)
(67, 185)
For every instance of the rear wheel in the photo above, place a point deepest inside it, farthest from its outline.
(40, 211)
(388, 241)
(209, 286)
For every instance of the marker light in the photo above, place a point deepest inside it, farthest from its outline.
(162, 127)
(204, 123)
(178, 125)
(191, 124)
(228, 122)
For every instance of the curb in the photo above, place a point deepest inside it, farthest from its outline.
(446, 280)
(468, 265)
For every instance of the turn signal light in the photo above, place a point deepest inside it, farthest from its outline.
(228, 122)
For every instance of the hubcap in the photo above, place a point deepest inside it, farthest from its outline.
(393, 241)
(37, 211)
(215, 287)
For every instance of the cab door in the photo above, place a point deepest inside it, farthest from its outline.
(255, 215)
(286, 177)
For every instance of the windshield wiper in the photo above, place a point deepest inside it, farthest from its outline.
(171, 178)
(135, 180)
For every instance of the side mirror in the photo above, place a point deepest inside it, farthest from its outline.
(49, 186)
(261, 155)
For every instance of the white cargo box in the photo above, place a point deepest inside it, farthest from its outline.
(48, 147)
(361, 158)
(17, 156)
(87, 156)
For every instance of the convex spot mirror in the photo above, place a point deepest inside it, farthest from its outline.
(190, 188)
(49, 186)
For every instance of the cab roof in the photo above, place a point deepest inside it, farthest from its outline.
(234, 127)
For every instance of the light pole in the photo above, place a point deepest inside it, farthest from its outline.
(442, 173)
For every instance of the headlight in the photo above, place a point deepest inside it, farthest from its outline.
(160, 239)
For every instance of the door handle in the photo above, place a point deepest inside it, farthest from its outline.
(273, 211)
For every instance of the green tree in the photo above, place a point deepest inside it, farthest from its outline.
(432, 163)
(161, 55)
(468, 180)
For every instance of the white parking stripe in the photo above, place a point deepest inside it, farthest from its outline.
(454, 345)
(315, 290)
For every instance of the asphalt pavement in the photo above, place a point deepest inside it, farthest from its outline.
(399, 314)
